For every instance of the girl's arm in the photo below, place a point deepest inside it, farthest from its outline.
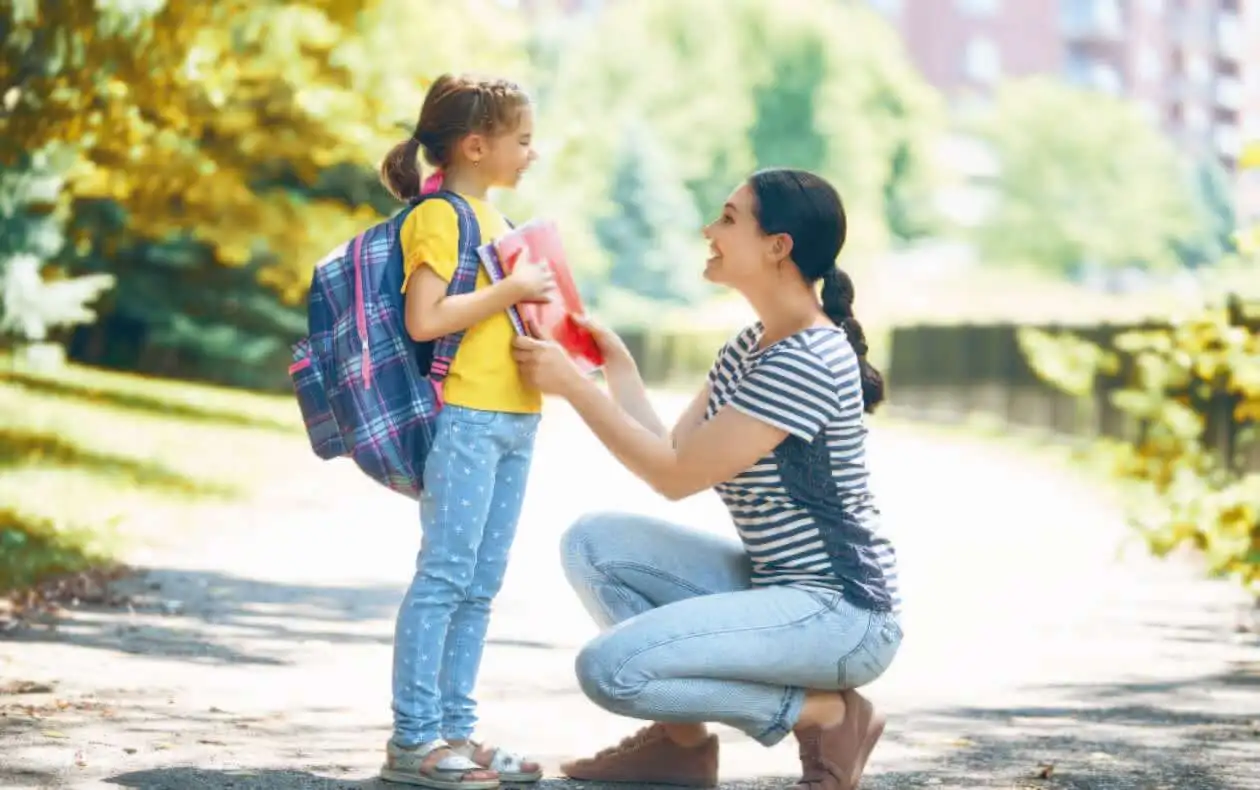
(432, 314)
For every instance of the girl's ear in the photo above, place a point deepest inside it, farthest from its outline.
(474, 147)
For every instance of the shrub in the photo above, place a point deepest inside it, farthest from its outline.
(1193, 388)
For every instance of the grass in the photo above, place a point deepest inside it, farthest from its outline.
(91, 460)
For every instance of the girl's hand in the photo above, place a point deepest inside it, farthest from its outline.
(544, 365)
(532, 280)
(610, 344)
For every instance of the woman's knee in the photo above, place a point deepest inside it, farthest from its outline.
(599, 672)
(580, 544)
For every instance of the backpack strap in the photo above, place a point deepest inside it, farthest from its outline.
(463, 281)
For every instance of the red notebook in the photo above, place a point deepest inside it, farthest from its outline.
(540, 239)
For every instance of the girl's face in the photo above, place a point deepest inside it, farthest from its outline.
(739, 252)
(508, 155)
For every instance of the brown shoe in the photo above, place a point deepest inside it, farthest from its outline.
(834, 758)
(650, 757)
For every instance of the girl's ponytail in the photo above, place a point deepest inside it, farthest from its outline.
(454, 106)
(400, 172)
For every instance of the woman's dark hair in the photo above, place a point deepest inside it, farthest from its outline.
(809, 210)
(455, 106)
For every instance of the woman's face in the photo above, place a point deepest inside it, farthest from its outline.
(738, 250)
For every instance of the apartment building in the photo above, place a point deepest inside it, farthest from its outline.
(1193, 65)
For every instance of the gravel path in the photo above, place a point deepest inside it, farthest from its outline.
(257, 656)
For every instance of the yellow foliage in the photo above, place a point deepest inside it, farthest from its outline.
(1069, 362)
(1250, 157)
(179, 113)
(1184, 379)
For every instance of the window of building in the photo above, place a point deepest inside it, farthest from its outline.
(1150, 67)
(1196, 118)
(979, 7)
(1198, 69)
(982, 61)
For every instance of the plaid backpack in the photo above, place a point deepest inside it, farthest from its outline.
(365, 389)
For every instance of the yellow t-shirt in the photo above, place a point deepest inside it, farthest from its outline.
(483, 374)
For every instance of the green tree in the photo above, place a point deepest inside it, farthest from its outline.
(1213, 236)
(1084, 180)
(729, 86)
(783, 132)
(219, 149)
(651, 232)
(1193, 385)
(35, 300)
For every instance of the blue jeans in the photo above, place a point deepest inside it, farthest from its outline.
(474, 484)
(687, 639)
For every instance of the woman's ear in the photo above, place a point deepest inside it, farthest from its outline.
(781, 246)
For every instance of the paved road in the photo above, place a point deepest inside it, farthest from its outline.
(257, 656)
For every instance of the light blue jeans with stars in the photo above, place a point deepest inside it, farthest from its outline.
(474, 483)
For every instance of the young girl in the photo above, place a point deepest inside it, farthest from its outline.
(477, 133)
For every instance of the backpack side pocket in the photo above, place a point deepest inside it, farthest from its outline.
(310, 386)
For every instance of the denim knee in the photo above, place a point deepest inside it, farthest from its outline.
(598, 675)
(577, 547)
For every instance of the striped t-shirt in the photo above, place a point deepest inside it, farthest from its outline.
(805, 512)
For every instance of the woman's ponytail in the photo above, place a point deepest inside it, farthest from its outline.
(837, 303)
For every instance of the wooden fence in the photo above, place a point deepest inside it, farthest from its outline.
(951, 373)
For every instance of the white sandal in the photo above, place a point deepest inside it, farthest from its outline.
(510, 767)
(450, 772)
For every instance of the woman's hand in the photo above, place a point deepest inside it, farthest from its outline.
(545, 366)
(616, 355)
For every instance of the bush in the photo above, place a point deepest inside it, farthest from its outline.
(1193, 388)
(33, 549)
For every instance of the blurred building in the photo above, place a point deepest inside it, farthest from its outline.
(1192, 65)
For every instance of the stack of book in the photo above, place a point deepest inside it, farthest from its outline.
(539, 240)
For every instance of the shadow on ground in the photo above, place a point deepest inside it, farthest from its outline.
(279, 779)
(141, 403)
(212, 617)
(1117, 737)
(1182, 734)
(1123, 735)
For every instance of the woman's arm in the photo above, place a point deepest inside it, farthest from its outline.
(626, 387)
(691, 418)
(714, 452)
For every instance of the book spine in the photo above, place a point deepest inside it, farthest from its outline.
(490, 262)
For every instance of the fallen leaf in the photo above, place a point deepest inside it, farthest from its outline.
(53, 734)
(25, 687)
(1045, 770)
(161, 747)
(129, 749)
